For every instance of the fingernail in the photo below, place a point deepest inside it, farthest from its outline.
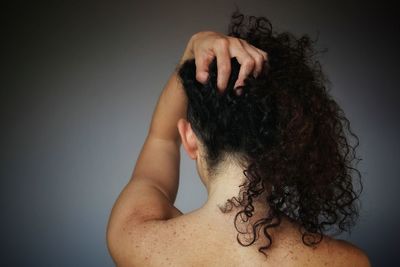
(237, 84)
(202, 77)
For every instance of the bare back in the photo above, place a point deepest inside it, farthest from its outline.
(194, 240)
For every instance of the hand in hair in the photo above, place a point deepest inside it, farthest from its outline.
(205, 45)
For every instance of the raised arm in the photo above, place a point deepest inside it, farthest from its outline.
(150, 194)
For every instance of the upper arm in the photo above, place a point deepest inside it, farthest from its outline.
(140, 206)
(148, 197)
(158, 163)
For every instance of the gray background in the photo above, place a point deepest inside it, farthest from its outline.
(79, 84)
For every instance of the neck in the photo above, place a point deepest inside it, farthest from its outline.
(224, 185)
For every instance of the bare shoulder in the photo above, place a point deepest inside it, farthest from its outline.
(357, 254)
(158, 242)
(348, 254)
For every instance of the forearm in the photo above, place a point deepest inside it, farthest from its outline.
(171, 105)
(159, 159)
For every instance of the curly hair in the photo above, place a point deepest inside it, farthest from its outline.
(292, 135)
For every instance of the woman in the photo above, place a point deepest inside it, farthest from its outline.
(270, 145)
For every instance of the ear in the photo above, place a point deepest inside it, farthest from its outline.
(189, 139)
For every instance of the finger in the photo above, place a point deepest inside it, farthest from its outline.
(246, 67)
(246, 62)
(221, 50)
(202, 61)
(263, 53)
(257, 56)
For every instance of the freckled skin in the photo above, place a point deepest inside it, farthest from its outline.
(160, 235)
(198, 240)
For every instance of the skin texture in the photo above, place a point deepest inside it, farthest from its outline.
(291, 137)
(144, 220)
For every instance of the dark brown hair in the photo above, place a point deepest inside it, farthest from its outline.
(294, 136)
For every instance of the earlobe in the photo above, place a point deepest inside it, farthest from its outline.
(189, 139)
